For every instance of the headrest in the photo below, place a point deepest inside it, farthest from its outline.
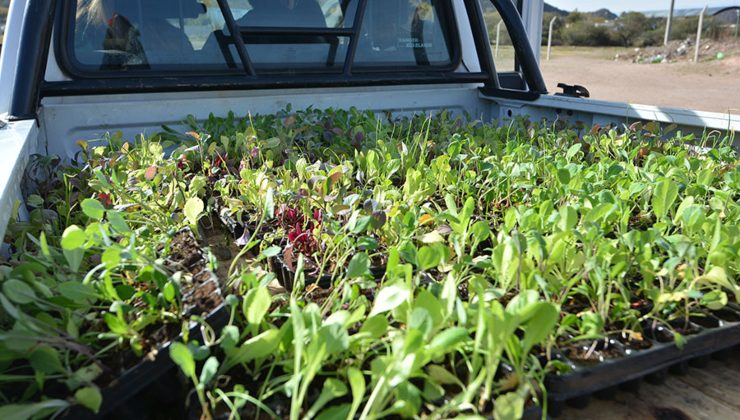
(160, 9)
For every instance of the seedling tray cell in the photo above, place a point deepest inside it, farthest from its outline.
(156, 365)
(286, 276)
(146, 373)
(637, 364)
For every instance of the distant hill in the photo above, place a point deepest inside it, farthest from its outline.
(605, 14)
(553, 9)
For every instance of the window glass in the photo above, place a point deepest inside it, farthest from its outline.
(191, 35)
(406, 32)
(504, 56)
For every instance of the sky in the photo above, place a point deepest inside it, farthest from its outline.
(619, 6)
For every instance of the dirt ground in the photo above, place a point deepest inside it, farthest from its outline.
(707, 86)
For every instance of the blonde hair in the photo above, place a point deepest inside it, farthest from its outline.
(93, 12)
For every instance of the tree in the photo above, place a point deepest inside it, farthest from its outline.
(630, 26)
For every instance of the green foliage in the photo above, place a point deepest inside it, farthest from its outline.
(500, 245)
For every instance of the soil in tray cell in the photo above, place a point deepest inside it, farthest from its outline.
(186, 252)
(591, 353)
(223, 245)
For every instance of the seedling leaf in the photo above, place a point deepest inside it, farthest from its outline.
(193, 209)
(181, 355)
(89, 397)
(92, 208)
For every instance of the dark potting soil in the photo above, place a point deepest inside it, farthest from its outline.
(591, 352)
(186, 252)
(632, 341)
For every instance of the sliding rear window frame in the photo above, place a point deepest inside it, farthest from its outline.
(64, 51)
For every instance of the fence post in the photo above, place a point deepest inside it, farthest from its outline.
(549, 37)
(498, 35)
(669, 23)
(698, 33)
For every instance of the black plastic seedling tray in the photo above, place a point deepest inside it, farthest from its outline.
(286, 276)
(653, 363)
(145, 375)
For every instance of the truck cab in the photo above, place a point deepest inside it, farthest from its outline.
(78, 69)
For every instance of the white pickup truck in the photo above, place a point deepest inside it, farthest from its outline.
(79, 69)
(75, 70)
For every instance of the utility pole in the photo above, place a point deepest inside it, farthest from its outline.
(549, 37)
(737, 21)
(498, 36)
(698, 34)
(669, 23)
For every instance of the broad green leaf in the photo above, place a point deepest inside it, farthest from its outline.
(359, 266)
(664, 195)
(361, 224)
(568, 218)
(421, 321)
(46, 359)
(229, 336)
(18, 291)
(480, 231)
(540, 325)
(73, 238)
(92, 208)
(44, 244)
(169, 292)
(429, 257)
(572, 151)
(333, 388)
(718, 275)
(115, 324)
(181, 355)
(256, 304)
(334, 337)
(89, 397)
(509, 406)
(442, 376)
(270, 252)
(74, 258)
(714, 300)
(255, 348)
(563, 176)
(111, 257)
(389, 298)
(686, 203)
(510, 219)
(193, 209)
(341, 411)
(118, 222)
(210, 367)
(375, 326)
(428, 301)
(599, 213)
(76, 291)
(447, 340)
(357, 385)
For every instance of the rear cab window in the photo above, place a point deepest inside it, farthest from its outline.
(104, 38)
